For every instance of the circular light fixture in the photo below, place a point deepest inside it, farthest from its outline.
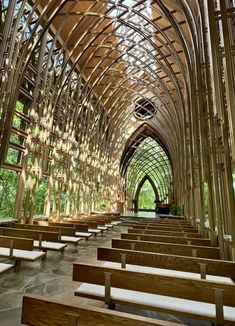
(144, 109)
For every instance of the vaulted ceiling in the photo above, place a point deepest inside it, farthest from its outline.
(129, 50)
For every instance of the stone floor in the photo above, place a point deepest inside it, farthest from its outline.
(53, 278)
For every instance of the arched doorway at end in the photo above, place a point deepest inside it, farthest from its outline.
(138, 191)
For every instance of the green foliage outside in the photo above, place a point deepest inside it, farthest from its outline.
(40, 197)
(175, 210)
(147, 196)
(103, 207)
(8, 188)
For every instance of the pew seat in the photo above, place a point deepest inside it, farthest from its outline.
(70, 239)
(22, 254)
(48, 245)
(116, 222)
(168, 272)
(85, 235)
(94, 231)
(183, 307)
(4, 268)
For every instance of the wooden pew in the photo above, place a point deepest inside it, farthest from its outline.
(167, 239)
(80, 229)
(19, 249)
(92, 225)
(65, 234)
(202, 266)
(159, 222)
(42, 240)
(167, 233)
(41, 311)
(164, 228)
(197, 299)
(103, 223)
(167, 248)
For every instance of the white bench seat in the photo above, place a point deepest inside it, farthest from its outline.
(22, 254)
(95, 231)
(116, 222)
(70, 239)
(109, 226)
(83, 234)
(102, 228)
(157, 302)
(5, 268)
(168, 272)
(48, 245)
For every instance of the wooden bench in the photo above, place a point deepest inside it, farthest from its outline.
(161, 227)
(103, 223)
(168, 248)
(43, 240)
(167, 233)
(197, 299)
(164, 228)
(65, 234)
(92, 226)
(158, 222)
(19, 249)
(41, 311)
(167, 239)
(80, 229)
(204, 268)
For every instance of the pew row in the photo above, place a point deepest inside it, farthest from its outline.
(42, 240)
(204, 268)
(161, 227)
(167, 239)
(18, 249)
(92, 226)
(80, 229)
(66, 235)
(196, 299)
(164, 228)
(40, 311)
(163, 232)
(167, 248)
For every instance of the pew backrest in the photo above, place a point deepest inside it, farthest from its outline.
(166, 261)
(60, 230)
(163, 232)
(41, 311)
(167, 239)
(172, 249)
(31, 234)
(16, 243)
